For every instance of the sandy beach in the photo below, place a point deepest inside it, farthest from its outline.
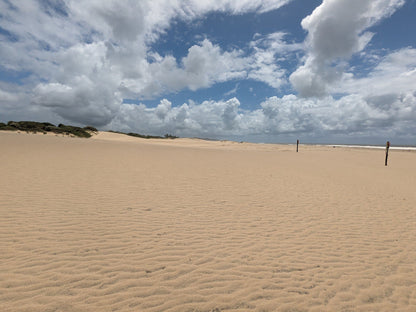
(116, 223)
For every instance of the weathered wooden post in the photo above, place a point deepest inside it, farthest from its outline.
(387, 152)
(297, 146)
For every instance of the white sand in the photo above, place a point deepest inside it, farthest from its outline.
(115, 223)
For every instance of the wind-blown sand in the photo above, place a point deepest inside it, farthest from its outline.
(115, 223)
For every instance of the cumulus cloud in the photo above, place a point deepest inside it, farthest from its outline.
(204, 65)
(86, 88)
(189, 119)
(336, 30)
(89, 71)
(388, 92)
(80, 59)
(314, 118)
(85, 102)
(93, 54)
(394, 74)
(268, 51)
(381, 104)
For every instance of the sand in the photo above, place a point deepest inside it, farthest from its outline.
(115, 223)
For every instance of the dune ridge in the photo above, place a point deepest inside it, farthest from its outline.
(116, 223)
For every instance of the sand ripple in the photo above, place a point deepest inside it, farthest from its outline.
(123, 226)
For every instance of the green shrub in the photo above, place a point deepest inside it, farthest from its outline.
(89, 128)
(33, 126)
(145, 136)
(169, 136)
(7, 127)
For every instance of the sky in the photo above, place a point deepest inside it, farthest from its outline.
(273, 71)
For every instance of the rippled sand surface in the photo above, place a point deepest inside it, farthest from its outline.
(115, 223)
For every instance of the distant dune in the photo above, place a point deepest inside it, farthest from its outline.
(119, 223)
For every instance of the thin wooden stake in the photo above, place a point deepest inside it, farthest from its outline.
(387, 152)
(297, 146)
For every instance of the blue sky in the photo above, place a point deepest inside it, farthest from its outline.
(339, 71)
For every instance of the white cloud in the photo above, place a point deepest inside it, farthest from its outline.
(84, 57)
(394, 74)
(6, 96)
(85, 101)
(268, 51)
(197, 7)
(85, 88)
(71, 46)
(129, 19)
(336, 30)
(189, 119)
(289, 115)
(206, 64)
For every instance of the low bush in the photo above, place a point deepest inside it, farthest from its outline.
(33, 126)
(89, 128)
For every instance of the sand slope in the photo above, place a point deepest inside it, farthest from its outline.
(116, 223)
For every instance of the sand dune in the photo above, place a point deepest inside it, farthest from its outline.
(115, 223)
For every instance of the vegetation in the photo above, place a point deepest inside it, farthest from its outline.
(44, 127)
(167, 136)
(144, 136)
(89, 128)
(170, 136)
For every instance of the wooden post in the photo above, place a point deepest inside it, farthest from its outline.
(297, 146)
(387, 152)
